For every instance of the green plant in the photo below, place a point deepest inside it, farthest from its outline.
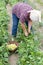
(3, 24)
(3, 55)
(12, 2)
(3, 33)
(29, 54)
(40, 2)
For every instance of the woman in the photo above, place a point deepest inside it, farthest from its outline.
(26, 14)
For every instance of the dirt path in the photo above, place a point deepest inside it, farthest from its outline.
(14, 57)
(9, 11)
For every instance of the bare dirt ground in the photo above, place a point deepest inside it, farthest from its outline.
(14, 57)
(9, 11)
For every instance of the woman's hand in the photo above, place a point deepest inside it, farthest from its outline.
(26, 34)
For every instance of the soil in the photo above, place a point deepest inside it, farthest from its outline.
(13, 59)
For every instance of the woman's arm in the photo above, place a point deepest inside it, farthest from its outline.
(29, 26)
(24, 29)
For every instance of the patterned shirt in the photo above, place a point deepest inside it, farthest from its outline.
(20, 10)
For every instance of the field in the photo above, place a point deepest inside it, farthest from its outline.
(30, 50)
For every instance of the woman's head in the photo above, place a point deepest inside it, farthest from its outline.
(35, 15)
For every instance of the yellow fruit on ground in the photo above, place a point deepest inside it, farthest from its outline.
(11, 47)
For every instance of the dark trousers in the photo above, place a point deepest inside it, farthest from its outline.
(15, 24)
